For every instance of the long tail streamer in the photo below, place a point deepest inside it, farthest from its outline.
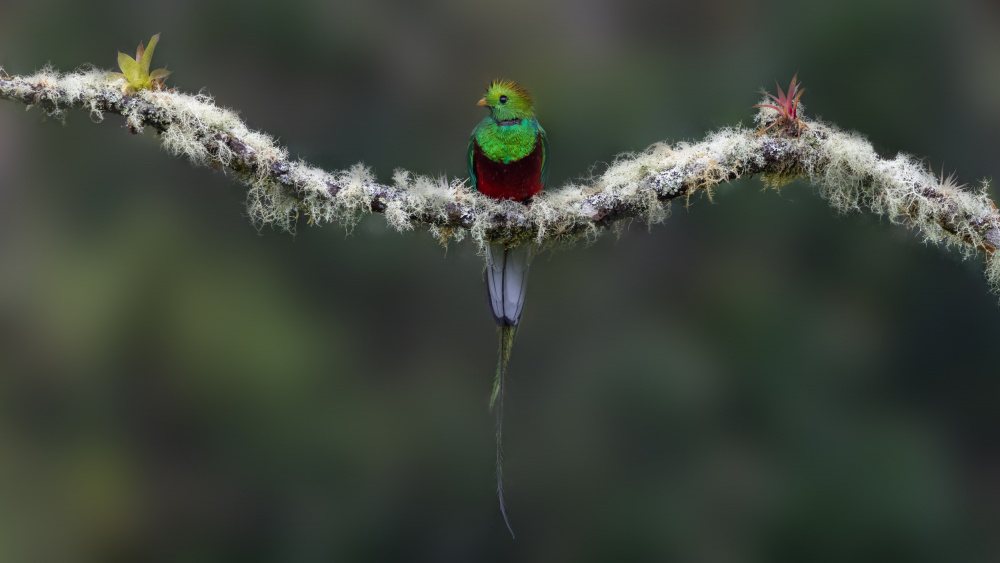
(507, 334)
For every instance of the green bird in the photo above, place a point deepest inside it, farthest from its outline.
(508, 159)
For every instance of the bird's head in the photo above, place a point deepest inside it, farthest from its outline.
(508, 100)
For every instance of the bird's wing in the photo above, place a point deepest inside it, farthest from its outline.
(471, 156)
(545, 156)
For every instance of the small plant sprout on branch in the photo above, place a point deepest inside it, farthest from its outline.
(787, 108)
(136, 71)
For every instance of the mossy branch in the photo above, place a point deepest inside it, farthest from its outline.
(844, 166)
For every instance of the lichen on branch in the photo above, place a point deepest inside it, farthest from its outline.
(283, 191)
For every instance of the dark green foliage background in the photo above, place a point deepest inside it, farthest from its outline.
(756, 380)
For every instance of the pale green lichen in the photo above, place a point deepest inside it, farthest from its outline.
(851, 176)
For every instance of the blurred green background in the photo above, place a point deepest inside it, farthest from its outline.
(758, 379)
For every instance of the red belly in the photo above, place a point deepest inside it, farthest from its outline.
(517, 180)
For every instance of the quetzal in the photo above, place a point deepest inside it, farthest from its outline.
(508, 159)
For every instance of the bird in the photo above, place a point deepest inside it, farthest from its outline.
(508, 160)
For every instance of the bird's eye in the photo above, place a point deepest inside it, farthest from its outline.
(503, 99)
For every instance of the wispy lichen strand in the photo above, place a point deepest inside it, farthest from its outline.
(282, 191)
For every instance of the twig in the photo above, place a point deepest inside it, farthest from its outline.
(844, 166)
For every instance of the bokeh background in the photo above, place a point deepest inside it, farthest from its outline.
(758, 379)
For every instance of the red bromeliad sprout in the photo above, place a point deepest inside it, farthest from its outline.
(787, 108)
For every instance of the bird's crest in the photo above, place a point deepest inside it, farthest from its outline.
(511, 87)
(508, 100)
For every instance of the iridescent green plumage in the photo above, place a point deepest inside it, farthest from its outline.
(505, 143)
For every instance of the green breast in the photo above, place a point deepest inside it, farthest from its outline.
(506, 143)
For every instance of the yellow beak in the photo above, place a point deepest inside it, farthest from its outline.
(482, 102)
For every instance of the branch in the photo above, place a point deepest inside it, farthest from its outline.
(845, 167)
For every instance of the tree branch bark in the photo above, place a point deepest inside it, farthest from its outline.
(844, 166)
